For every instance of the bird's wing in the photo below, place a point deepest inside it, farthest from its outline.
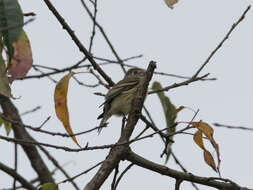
(120, 87)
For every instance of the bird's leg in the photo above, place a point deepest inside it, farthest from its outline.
(123, 123)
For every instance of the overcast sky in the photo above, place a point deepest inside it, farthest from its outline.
(179, 40)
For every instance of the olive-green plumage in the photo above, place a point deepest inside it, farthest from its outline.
(119, 98)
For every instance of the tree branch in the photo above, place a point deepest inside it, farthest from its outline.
(17, 176)
(20, 133)
(161, 169)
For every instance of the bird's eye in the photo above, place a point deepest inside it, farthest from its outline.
(135, 72)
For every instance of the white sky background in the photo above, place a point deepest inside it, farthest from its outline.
(179, 40)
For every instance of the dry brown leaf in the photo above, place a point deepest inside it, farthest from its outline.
(170, 3)
(204, 127)
(208, 131)
(60, 100)
(198, 139)
(209, 160)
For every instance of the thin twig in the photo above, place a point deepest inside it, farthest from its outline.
(58, 166)
(84, 172)
(29, 14)
(116, 172)
(222, 41)
(108, 61)
(31, 111)
(122, 174)
(175, 85)
(86, 148)
(15, 164)
(142, 132)
(56, 71)
(17, 176)
(182, 168)
(195, 76)
(43, 74)
(233, 127)
(105, 36)
(86, 85)
(93, 33)
(2, 29)
(99, 79)
(38, 129)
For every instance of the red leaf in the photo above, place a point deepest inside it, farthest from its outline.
(22, 59)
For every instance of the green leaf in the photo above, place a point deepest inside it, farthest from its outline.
(49, 186)
(11, 19)
(169, 109)
(170, 113)
(1, 121)
(4, 82)
(7, 126)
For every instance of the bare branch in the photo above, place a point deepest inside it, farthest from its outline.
(15, 163)
(233, 127)
(161, 169)
(116, 172)
(57, 165)
(93, 33)
(182, 168)
(122, 174)
(178, 183)
(187, 82)
(16, 26)
(221, 43)
(16, 176)
(56, 71)
(78, 175)
(105, 36)
(21, 134)
(31, 111)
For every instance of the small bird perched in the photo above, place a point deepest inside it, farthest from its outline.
(119, 98)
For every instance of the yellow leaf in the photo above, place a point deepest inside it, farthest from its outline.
(170, 3)
(198, 139)
(60, 100)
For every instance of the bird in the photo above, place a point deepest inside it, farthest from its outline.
(119, 98)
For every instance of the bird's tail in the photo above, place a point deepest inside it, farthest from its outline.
(103, 122)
